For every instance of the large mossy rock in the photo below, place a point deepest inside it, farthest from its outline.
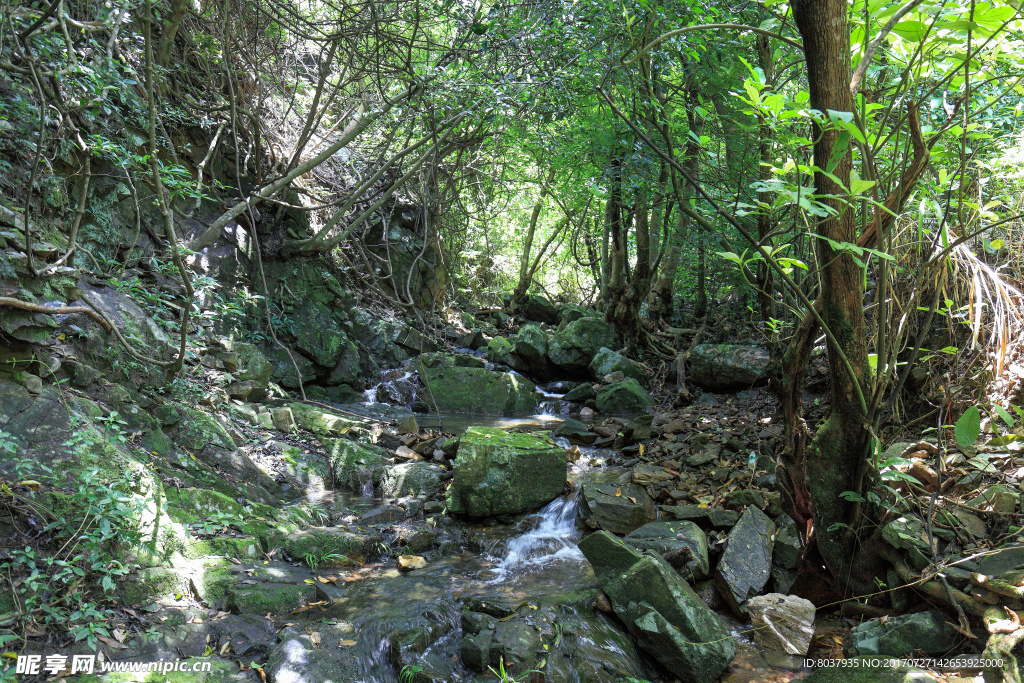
(625, 397)
(531, 345)
(539, 308)
(725, 367)
(501, 473)
(253, 366)
(318, 334)
(422, 479)
(574, 347)
(459, 384)
(354, 464)
(660, 610)
(607, 361)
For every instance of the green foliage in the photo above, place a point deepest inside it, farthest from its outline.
(408, 673)
(95, 524)
(968, 427)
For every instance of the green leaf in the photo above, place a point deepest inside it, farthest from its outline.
(852, 496)
(968, 427)
(1005, 414)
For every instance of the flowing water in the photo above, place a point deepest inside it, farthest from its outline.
(398, 620)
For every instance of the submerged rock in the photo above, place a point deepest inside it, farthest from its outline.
(660, 610)
(619, 509)
(722, 367)
(782, 622)
(576, 432)
(461, 384)
(745, 566)
(501, 473)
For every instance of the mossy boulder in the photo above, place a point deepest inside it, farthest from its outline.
(574, 347)
(625, 397)
(149, 583)
(531, 345)
(501, 473)
(197, 429)
(501, 350)
(607, 361)
(318, 334)
(725, 367)
(411, 479)
(354, 464)
(323, 422)
(269, 598)
(459, 384)
(333, 544)
(253, 366)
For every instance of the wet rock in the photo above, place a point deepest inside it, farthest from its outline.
(723, 367)
(606, 362)
(1005, 558)
(575, 431)
(928, 632)
(682, 544)
(593, 650)
(476, 650)
(497, 472)
(580, 394)
(574, 347)
(460, 384)
(619, 509)
(660, 610)
(624, 397)
(782, 622)
(501, 350)
(706, 516)
(407, 563)
(298, 658)
(745, 566)
(384, 514)
(411, 479)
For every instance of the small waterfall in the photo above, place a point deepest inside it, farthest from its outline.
(553, 537)
(371, 394)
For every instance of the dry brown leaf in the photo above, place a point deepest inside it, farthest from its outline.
(346, 643)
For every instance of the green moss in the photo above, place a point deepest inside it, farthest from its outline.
(146, 584)
(221, 671)
(213, 580)
(269, 598)
(230, 546)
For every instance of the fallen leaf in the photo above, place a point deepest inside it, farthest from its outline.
(314, 638)
(111, 643)
(346, 643)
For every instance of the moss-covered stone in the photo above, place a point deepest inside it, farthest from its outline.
(212, 579)
(269, 598)
(575, 346)
(455, 385)
(331, 545)
(321, 421)
(197, 429)
(354, 463)
(252, 365)
(501, 473)
(147, 584)
(243, 547)
(625, 397)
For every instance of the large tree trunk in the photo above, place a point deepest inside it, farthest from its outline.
(834, 458)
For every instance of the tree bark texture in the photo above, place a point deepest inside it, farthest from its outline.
(833, 459)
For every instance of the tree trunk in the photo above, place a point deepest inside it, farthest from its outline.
(179, 8)
(834, 458)
(765, 224)
(525, 272)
